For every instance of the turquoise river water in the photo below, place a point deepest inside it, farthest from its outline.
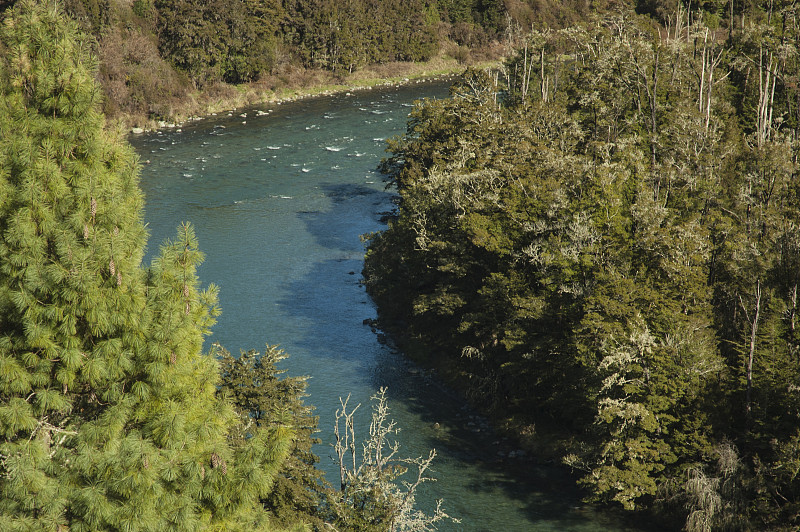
(279, 199)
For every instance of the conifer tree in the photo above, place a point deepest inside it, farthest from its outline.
(252, 383)
(109, 416)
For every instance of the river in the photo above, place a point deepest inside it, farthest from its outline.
(279, 197)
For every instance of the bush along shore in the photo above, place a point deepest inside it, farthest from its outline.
(229, 98)
(163, 62)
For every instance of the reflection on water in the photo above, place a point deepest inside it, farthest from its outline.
(279, 204)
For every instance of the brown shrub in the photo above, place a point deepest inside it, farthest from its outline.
(393, 69)
(219, 90)
(467, 34)
(136, 80)
(459, 53)
(292, 76)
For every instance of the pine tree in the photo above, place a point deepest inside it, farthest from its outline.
(109, 414)
(252, 383)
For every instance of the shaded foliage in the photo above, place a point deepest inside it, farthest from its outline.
(230, 40)
(603, 233)
(251, 382)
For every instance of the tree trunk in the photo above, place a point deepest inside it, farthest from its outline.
(753, 333)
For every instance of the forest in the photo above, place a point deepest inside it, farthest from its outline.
(599, 242)
(596, 241)
(157, 57)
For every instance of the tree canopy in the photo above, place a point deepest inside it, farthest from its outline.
(110, 415)
(601, 236)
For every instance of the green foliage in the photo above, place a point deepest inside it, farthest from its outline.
(110, 416)
(631, 418)
(604, 234)
(266, 402)
(143, 8)
(348, 35)
(94, 16)
(226, 40)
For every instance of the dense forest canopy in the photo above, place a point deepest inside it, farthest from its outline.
(602, 236)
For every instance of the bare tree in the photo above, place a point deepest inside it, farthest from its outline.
(753, 338)
(372, 483)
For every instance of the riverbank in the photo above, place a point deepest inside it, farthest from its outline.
(295, 83)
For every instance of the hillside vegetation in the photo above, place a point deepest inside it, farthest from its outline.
(600, 242)
(162, 60)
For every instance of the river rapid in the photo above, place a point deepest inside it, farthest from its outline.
(279, 197)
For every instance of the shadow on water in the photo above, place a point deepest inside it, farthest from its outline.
(334, 305)
(331, 228)
(282, 238)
